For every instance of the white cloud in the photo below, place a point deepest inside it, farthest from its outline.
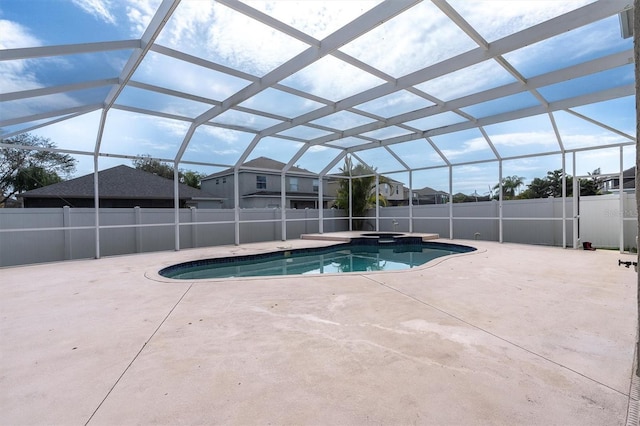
(482, 76)
(19, 75)
(214, 31)
(317, 18)
(515, 139)
(579, 140)
(100, 9)
(332, 79)
(15, 75)
(410, 41)
(495, 19)
(222, 134)
(15, 35)
(140, 13)
(468, 147)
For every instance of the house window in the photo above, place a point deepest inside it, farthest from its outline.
(293, 184)
(217, 181)
(224, 180)
(316, 184)
(261, 182)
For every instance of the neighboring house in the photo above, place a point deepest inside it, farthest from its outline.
(120, 186)
(428, 195)
(259, 183)
(612, 183)
(394, 191)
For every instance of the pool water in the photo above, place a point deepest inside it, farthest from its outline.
(356, 256)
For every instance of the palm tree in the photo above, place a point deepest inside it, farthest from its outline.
(510, 186)
(363, 191)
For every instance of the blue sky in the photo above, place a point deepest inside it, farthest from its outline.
(409, 42)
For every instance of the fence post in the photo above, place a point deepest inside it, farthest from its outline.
(138, 218)
(194, 230)
(66, 222)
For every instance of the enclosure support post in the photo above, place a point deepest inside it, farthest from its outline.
(350, 205)
(576, 211)
(410, 200)
(377, 202)
(66, 222)
(236, 206)
(138, 220)
(500, 200)
(450, 202)
(621, 196)
(283, 204)
(194, 227)
(176, 205)
(320, 204)
(96, 203)
(564, 200)
(636, 57)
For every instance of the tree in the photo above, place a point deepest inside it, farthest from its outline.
(538, 188)
(31, 164)
(555, 184)
(551, 185)
(510, 186)
(363, 191)
(34, 177)
(150, 165)
(191, 178)
(591, 186)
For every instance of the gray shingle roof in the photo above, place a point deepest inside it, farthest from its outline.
(261, 163)
(122, 182)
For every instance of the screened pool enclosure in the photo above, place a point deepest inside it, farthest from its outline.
(451, 95)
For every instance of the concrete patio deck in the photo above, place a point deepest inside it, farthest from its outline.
(510, 334)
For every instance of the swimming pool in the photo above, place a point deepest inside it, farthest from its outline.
(358, 255)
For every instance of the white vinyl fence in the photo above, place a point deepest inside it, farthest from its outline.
(53, 234)
(46, 235)
(536, 221)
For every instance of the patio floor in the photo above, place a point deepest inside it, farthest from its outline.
(510, 334)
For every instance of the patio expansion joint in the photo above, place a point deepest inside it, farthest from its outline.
(144, 345)
(514, 344)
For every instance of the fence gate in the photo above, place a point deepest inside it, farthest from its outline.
(599, 220)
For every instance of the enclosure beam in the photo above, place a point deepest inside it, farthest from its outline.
(576, 210)
(350, 202)
(323, 173)
(553, 27)
(450, 202)
(159, 20)
(361, 25)
(564, 200)
(410, 201)
(500, 204)
(321, 202)
(575, 71)
(621, 202)
(176, 205)
(283, 205)
(601, 96)
(236, 204)
(96, 186)
(377, 202)
(45, 91)
(96, 205)
(600, 124)
(83, 109)
(67, 49)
